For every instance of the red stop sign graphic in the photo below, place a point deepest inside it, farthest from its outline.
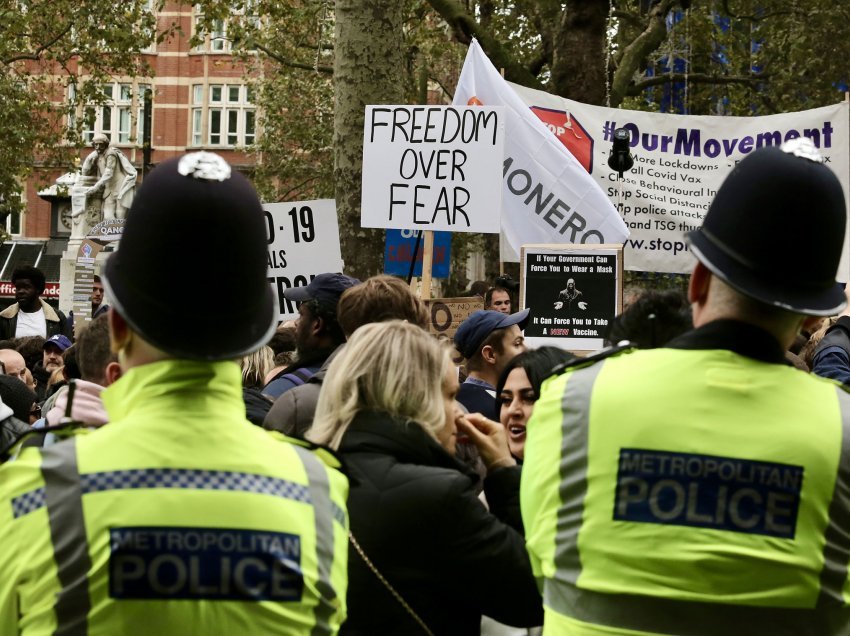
(571, 133)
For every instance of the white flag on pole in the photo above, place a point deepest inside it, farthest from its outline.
(548, 196)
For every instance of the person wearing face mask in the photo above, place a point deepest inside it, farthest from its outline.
(425, 556)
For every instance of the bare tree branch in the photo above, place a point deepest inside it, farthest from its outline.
(633, 55)
(290, 63)
(465, 27)
(542, 15)
(36, 55)
(440, 83)
(313, 47)
(630, 17)
(692, 78)
(286, 195)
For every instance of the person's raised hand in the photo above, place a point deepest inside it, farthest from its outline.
(490, 439)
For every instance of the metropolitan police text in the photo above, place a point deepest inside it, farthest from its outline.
(706, 491)
(204, 563)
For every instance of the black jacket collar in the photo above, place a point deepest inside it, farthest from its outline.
(740, 337)
(406, 441)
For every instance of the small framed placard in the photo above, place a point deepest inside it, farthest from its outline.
(573, 291)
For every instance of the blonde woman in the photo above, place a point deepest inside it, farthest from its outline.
(254, 367)
(387, 405)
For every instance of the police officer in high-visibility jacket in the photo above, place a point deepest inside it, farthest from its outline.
(178, 517)
(704, 488)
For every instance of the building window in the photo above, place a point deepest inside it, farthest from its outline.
(215, 37)
(120, 117)
(148, 6)
(223, 115)
(218, 38)
(213, 41)
(13, 222)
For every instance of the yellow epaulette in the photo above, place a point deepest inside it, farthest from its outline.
(327, 455)
(602, 354)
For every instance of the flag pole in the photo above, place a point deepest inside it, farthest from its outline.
(427, 260)
(501, 262)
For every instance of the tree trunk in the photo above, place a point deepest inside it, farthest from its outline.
(578, 57)
(368, 69)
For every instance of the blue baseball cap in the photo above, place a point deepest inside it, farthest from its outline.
(325, 288)
(473, 331)
(60, 341)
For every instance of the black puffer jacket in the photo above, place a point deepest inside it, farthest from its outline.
(257, 405)
(414, 511)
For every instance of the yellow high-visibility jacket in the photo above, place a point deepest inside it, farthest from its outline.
(689, 491)
(178, 517)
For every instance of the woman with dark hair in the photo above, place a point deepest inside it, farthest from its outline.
(519, 387)
(652, 320)
(425, 556)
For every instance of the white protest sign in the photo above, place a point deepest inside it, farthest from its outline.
(432, 168)
(303, 242)
(548, 195)
(680, 162)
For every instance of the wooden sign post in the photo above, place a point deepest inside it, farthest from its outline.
(427, 262)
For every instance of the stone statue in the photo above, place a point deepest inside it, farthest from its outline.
(116, 178)
(86, 212)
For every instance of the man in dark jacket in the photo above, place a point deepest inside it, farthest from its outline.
(488, 340)
(317, 332)
(11, 429)
(30, 315)
(832, 355)
(98, 307)
(378, 299)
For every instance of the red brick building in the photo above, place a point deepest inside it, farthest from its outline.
(200, 101)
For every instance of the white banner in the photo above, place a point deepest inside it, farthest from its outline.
(679, 163)
(548, 197)
(303, 242)
(432, 168)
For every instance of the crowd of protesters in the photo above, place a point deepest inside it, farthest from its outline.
(429, 534)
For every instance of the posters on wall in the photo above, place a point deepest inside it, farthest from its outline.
(573, 291)
(303, 241)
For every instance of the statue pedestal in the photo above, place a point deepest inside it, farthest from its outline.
(85, 214)
(69, 297)
(83, 258)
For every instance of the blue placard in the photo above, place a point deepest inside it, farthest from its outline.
(708, 491)
(398, 252)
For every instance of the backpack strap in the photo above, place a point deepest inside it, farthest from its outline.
(298, 377)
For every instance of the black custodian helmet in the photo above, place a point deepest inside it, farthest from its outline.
(190, 272)
(775, 230)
